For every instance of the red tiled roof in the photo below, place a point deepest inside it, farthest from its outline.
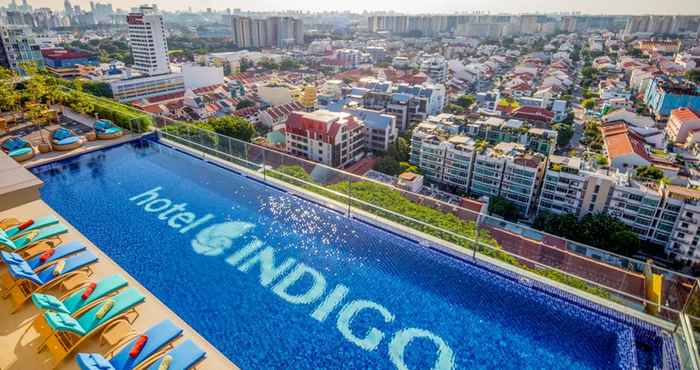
(619, 141)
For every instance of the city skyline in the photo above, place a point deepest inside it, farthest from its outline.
(596, 7)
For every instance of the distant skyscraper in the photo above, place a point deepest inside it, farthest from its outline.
(274, 31)
(68, 8)
(148, 42)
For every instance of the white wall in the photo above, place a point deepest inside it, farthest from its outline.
(197, 76)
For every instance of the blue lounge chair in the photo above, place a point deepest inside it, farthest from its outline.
(68, 332)
(12, 230)
(32, 238)
(105, 129)
(159, 337)
(26, 281)
(74, 303)
(18, 149)
(35, 262)
(183, 357)
(64, 139)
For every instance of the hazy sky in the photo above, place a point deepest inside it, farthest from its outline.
(414, 6)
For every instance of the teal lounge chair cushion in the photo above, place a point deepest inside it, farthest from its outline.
(13, 143)
(40, 222)
(122, 302)
(67, 141)
(112, 130)
(88, 321)
(75, 301)
(62, 133)
(25, 240)
(48, 302)
(63, 322)
(105, 287)
(103, 124)
(20, 152)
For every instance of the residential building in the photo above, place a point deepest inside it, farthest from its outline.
(497, 130)
(665, 94)
(568, 187)
(332, 138)
(443, 156)
(435, 67)
(509, 170)
(640, 205)
(17, 45)
(681, 123)
(684, 239)
(410, 104)
(146, 87)
(148, 41)
(624, 149)
(278, 32)
(381, 128)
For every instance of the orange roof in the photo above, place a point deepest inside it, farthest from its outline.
(684, 115)
(619, 142)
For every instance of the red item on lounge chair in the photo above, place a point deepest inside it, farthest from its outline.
(88, 290)
(138, 346)
(26, 224)
(46, 255)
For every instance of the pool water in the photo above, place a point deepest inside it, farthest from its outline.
(277, 282)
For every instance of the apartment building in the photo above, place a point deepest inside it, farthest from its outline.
(497, 130)
(278, 32)
(435, 67)
(684, 237)
(380, 128)
(410, 104)
(332, 138)
(640, 205)
(665, 94)
(682, 126)
(17, 45)
(570, 187)
(148, 42)
(443, 156)
(522, 175)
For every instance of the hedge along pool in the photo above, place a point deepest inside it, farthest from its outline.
(274, 281)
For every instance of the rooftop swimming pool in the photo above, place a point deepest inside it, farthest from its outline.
(275, 281)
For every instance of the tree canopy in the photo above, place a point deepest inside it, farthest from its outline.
(599, 230)
(503, 207)
(650, 172)
(233, 126)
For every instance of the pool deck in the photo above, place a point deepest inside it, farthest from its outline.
(18, 341)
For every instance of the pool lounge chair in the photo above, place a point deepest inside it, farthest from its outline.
(68, 332)
(105, 130)
(12, 228)
(32, 238)
(26, 281)
(38, 262)
(75, 302)
(158, 339)
(64, 139)
(18, 149)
